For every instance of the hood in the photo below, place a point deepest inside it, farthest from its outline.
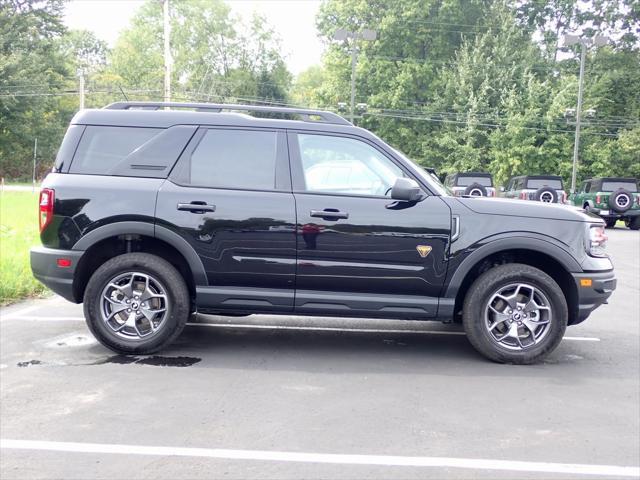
(524, 208)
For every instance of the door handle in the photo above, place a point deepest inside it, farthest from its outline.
(196, 207)
(329, 213)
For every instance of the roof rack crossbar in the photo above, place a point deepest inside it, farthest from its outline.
(306, 115)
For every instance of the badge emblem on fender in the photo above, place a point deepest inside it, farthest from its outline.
(423, 250)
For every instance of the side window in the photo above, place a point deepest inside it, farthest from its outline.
(225, 158)
(345, 165)
(101, 148)
(586, 187)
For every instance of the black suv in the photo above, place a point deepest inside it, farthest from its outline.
(153, 212)
(476, 184)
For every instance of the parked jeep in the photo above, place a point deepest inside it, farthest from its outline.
(612, 198)
(541, 188)
(153, 213)
(476, 184)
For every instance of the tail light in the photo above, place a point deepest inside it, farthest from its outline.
(492, 192)
(598, 198)
(564, 197)
(46, 207)
(523, 196)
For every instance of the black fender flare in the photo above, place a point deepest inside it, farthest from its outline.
(150, 230)
(546, 247)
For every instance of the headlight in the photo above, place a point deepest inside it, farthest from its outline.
(597, 241)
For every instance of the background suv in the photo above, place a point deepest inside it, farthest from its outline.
(612, 198)
(477, 184)
(541, 188)
(151, 214)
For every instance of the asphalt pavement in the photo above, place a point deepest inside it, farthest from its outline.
(290, 397)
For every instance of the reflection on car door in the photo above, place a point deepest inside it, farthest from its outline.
(230, 198)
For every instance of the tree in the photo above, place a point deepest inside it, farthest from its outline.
(31, 70)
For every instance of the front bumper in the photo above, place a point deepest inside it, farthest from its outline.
(44, 265)
(594, 293)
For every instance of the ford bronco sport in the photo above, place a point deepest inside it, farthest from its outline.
(612, 199)
(477, 184)
(540, 188)
(154, 211)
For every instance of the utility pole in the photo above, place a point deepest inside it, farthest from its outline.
(81, 87)
(343, 35)
(597, 41)
(167, 52)
(35, 154)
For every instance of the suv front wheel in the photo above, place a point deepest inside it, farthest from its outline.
(136, 303)
(515, 313)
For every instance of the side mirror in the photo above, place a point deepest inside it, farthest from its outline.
(406, 190)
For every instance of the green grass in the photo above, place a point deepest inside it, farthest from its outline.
(18, 232)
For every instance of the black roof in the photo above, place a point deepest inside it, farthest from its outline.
(538, 177)
(473, 174)
(612, 179)
(148, 114)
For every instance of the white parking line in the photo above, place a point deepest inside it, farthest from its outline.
(331, 458)
(290, 327)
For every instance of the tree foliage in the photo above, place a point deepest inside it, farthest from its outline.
(455, 84)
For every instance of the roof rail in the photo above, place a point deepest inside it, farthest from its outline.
(305, 114)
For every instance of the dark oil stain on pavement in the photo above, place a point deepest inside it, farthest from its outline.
(155, 360)
(30, 362)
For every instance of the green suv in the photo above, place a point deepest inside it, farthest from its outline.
(612, 198)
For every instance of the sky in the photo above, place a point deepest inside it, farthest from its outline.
(294, 20)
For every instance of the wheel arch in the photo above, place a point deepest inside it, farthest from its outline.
(107, 241)
(540, 254)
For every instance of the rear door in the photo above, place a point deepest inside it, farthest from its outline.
(230, 197)
(360, 252)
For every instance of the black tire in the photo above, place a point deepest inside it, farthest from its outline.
(610, 222)
(621, 200)
(476, 190)
(476, 303)
(546, 192)
(176, 292)
(633, 223)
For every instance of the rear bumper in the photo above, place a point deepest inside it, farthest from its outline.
(44, 265)
(613, 214)
(592, 296)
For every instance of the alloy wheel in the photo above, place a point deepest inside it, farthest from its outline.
(518, 316)
(134, 305)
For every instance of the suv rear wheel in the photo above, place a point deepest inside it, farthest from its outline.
(515, 313)
(136, 303)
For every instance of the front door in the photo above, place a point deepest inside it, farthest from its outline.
(230, 197)
(359, 252)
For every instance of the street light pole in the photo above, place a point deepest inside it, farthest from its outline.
(343, 35)
(597, 41)
(167, 52)
(354, 60)
(576, 143)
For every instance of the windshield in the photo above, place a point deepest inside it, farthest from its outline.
(464, 181)
(544, 182)
(613, 186)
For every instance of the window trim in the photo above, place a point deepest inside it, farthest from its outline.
(282, 174)
(297, 174)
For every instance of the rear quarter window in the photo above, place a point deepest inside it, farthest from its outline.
(613, 186)
(544, 182)
(101, 148)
